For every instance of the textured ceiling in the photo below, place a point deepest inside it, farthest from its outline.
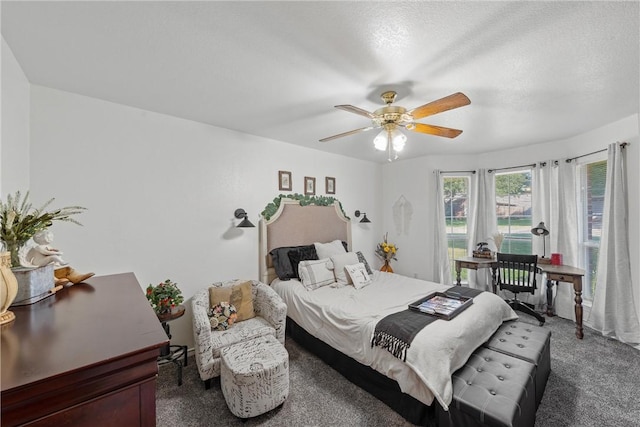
(534, 71)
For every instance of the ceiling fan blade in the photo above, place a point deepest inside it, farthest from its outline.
(434, 130)
(351, 132)
(450, 102)
(356, 110)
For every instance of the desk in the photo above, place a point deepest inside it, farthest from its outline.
(471, 263)
(554, 273)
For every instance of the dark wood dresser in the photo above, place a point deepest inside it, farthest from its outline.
(86, 356)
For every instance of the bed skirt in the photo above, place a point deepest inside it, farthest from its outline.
(380, 386)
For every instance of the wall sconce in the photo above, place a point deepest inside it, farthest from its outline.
(542, 231)
(240, 213)
(364, 219)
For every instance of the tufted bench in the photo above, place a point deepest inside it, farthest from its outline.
(492, 389)
(527, 342)
(254, 376)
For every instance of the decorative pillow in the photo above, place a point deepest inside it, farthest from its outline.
(304, 253)
(363, 260)
(339, 262)
(240, 296)
(358, 274)
(346, 246)
(222, 316)
(327, 250)
(315, 273)
(282, 263)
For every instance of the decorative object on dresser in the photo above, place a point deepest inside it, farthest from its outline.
(8, 288)
(309, 186)
(20, 221)
(245, 223)
(93, 351)
(261, 312)
(284, 181)
(330, 185)
(364, 219)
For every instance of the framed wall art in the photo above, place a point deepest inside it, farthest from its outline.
(330, 185)
(309, 186)
(284, 180)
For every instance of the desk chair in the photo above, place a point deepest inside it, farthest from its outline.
(517, 273)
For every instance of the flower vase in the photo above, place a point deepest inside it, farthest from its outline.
(8, 288)
(386, 266)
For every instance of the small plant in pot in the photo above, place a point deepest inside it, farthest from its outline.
(164, 297)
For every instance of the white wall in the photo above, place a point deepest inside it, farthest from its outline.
(161, 191)
(14, 143)
(415, 180)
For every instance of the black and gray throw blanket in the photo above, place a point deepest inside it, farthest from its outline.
(396, 331)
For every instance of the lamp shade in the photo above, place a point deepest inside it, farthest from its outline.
(245, 223)
(380, 141)
(540, 230)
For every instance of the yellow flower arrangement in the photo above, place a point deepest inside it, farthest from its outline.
(385, 250)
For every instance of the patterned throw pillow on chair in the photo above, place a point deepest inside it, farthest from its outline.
(239, 296)
(222, 316)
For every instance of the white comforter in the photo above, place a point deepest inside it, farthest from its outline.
(345, 318)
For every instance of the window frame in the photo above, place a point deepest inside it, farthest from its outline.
(468, 176)
(585, 246)
(529, 236)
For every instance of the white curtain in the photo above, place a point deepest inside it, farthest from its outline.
(564, 231)
(483, 222)
(613, 312)
(442, 270)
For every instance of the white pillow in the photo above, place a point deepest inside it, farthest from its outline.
(358, 274)
(339, 262)
(315, 273)
(327, 250)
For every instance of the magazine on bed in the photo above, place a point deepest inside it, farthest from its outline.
(444, 306)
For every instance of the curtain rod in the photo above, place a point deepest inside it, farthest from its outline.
(473, 172)
(532, 165)
(622, 145)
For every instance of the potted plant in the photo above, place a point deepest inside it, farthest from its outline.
(386, 251)
(164, 297)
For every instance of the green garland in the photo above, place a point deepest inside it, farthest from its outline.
(304, 200)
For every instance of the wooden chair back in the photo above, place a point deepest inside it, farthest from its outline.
(517, 273)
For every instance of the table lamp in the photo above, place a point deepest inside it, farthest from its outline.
(541, 230)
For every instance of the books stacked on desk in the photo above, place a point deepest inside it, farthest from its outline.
(442, 305)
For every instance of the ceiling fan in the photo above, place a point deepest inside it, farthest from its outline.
(390, 118)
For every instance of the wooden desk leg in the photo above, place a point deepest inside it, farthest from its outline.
(494, 274)
(458, 270)
(549, 298)
(577, 287)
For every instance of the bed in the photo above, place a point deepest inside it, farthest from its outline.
(337, 323)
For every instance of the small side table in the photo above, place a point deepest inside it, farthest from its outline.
(176, 354)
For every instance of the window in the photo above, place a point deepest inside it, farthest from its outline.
(456, 211)
(590, 207)
(513, 209)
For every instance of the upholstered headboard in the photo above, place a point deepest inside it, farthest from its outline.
(295, 225)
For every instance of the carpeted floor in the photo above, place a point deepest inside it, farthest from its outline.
(593, 382)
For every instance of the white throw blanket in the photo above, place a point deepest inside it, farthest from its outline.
(345, 318)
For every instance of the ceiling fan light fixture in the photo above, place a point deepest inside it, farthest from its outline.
(381, 140)
(398, 140)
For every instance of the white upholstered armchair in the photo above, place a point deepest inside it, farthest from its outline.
(270, 317)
